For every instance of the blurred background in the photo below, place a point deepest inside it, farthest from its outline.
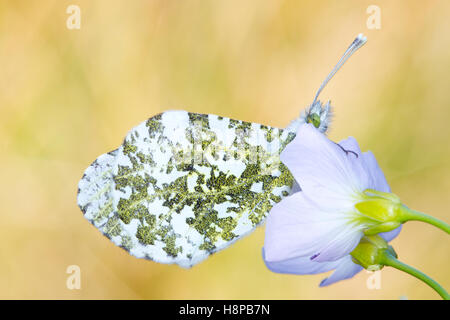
(69, 95)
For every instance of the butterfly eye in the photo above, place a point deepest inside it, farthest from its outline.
(313, 118)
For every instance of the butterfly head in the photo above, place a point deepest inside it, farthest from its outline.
(318, 114)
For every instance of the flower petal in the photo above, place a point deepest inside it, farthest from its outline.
(345, 270)
(299, 265)
(378, 180)
(341, 245)
(297, 227)
(391, 235)
(351, 145)
(324, 168)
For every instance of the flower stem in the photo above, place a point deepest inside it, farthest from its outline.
(410, 215)
(388, 259)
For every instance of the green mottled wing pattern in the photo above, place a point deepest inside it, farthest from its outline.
(183, 185)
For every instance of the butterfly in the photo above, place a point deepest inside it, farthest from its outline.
(184, 185)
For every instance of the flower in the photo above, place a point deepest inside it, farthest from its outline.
(344, 196)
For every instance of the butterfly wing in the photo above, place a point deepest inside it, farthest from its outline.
(184, 185)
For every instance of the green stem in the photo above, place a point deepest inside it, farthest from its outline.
(388, 259)
(410, 215)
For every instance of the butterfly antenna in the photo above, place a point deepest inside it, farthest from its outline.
(356, 44)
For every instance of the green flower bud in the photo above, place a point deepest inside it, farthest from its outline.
(370, 252)
(381, 211)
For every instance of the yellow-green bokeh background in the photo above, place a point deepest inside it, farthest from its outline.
(67, 96)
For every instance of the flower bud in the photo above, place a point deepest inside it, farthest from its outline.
(370, 251)
(383, 211)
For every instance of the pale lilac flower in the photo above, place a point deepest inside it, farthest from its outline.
(315, 230)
